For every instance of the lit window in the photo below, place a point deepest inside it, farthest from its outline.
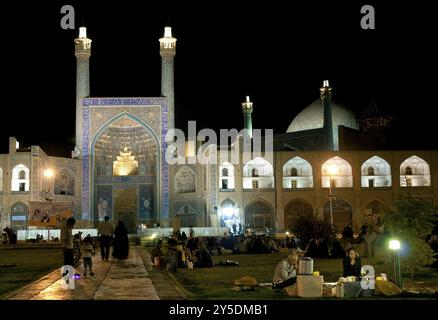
(20, 178)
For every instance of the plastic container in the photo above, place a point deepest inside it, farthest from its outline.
(340, 290)
(305, 266)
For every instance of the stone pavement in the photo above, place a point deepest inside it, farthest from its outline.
(165, 288)
(123, 280)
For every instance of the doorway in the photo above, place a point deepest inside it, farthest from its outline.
(125, 207)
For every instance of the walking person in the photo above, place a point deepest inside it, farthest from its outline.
(121, 242)
(67, 242)
(106, 231)
(87, 254)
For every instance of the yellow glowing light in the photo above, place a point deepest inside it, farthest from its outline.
(125, 164)
(48, 173)
(394, 245)
(332, 170)
(82, 32)
(287, 233)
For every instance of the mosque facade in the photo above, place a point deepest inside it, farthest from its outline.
(118, 167)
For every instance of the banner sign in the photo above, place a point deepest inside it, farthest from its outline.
(44, 214)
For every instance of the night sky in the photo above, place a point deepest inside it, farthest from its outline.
(277, 52)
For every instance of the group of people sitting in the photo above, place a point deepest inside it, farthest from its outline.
(251, 243)
(179, 252)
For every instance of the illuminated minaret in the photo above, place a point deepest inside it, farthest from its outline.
(167, 52)
(326, 98)
(82, 53)
(247, 110)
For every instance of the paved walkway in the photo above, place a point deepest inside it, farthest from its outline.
(115, 280)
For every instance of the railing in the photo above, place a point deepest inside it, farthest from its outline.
(49, 233)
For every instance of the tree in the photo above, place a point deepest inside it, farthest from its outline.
(309, 226)
(410, 221)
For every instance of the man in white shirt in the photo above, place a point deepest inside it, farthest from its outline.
(67, 242)
(106, 231)
(286, 272)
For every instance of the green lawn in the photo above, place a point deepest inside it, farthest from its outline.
(217, 282)
(19, 267)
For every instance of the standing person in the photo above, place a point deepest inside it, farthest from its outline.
(363, 229)
(370, 242)
(106, 231)
(87, 254)
(67, 242)
(121, 243)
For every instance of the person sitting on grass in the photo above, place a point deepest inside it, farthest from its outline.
(11, 236)
(352, 264)
(286, 272)
(203, 257)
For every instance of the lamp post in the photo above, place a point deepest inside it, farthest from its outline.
(394, 245)
(48, 174)
(332, 170)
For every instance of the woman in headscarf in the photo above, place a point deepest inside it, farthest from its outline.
(352, 264)
(121, 243)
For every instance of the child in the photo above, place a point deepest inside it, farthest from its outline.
(87, 253)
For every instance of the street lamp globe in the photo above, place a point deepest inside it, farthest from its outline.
(394, 245)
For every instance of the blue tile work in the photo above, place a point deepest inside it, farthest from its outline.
(126, 102)
(104, 201)
(90, 102)
(85, 163)
(164, 166)
(146, 200)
